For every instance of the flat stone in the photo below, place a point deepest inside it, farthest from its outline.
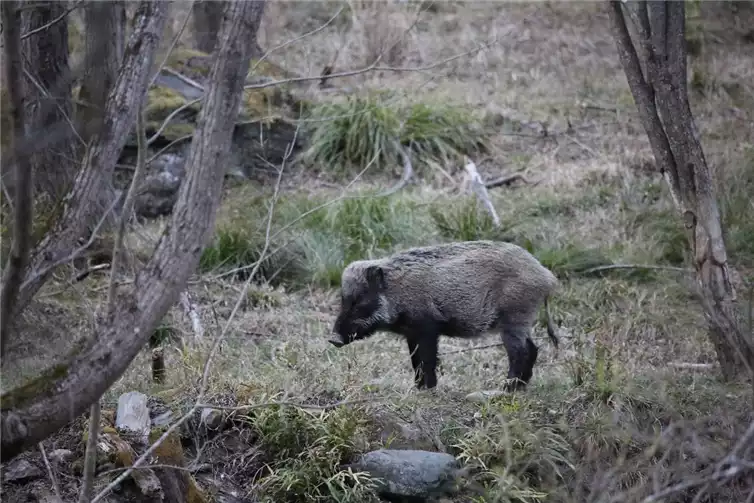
(132, 416)
(410, 473)
(21, 470)
(484, 396)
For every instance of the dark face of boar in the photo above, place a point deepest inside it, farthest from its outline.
(362, 310)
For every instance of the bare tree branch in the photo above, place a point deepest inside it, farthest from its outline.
(100, 159)
(22, 218)
(56, 20)
(121, 334)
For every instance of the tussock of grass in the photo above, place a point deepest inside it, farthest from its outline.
(304, 452)
(350, 134)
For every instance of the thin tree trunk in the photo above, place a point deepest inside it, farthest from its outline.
(663, 104)
(208, 16)
(47, 90)
(105, 24)
(27, 418)
(23, 200)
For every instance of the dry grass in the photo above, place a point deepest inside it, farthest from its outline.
(596, 421)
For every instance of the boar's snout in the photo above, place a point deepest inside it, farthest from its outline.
(339, 339)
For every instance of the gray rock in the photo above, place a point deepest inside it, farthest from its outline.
(410, 473)
(132, 416)
(162, 420)
(60, 456)
(21, 470)
(484, 396)
(211, 419)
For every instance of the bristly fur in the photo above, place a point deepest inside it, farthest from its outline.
(462, 289)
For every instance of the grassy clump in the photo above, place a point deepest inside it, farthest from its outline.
(348, 135)
(304, 453)
(311, 240)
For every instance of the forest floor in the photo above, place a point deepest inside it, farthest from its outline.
(633, 399)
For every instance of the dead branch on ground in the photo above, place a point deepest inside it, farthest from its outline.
(190, 309)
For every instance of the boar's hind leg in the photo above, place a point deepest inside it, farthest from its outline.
(522, 354)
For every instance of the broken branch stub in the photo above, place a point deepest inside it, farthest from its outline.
(480, 189)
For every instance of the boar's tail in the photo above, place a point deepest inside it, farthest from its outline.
(550, 326)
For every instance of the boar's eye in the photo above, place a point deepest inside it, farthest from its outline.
(363, 308)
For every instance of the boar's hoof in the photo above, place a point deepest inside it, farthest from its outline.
(336, 343)
(514, 384)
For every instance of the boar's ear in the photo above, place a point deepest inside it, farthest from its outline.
(376, 277)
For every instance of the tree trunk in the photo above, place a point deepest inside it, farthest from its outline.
(661, 95)
(47, 91)
(23, 192)
(29, 417)
(105, 39)
(98, 164)
(105, 24)
(208, 16)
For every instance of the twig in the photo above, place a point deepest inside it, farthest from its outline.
(478, 186)
(50, 472)
(408, 170)
(287, 403)
(508, 180)
(473, 348)
(636, 266)
(75, 253)
(694, 366)
(190, 309)
(372, 67)
(24, 205)
(90, 458)
(84, 274)
(169, 118)
(296, 39)
(128, 204)
(182, 77)
(56, 20)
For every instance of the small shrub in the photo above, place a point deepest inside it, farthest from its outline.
(350, 134)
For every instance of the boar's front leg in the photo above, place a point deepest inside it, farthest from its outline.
(416, 363)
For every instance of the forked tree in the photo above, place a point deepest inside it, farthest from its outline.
(32, 412)
(655, 67)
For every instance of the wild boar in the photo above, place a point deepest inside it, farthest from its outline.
(461, 289)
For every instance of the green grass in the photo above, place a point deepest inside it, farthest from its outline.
(304, 452)
(348, 135)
